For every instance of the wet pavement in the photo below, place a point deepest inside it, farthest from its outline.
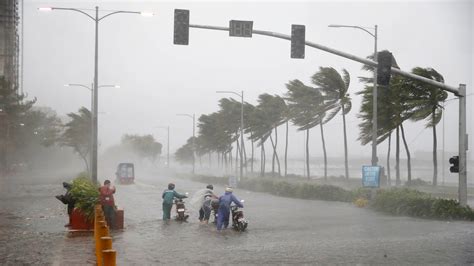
(282, 231)
(32, 222)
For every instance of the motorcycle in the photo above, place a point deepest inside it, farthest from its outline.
(180, 210)
(239, 223)
(214, 210)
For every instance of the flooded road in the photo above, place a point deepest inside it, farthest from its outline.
(282, 231)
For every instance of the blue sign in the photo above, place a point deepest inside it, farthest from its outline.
(370, 176)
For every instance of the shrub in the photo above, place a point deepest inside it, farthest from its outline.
(404, 201)
(417, 182)
(361, 202)
(86, 195)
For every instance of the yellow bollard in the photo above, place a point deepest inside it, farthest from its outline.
(106, 242)
(109, 257)
(102, 232)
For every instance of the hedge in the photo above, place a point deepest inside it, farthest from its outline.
(396, 201)
(404, 201)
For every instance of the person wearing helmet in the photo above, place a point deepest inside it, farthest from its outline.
(224, 208)
(205, 211)
(168, 196)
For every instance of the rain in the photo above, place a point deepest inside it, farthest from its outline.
(236, 132)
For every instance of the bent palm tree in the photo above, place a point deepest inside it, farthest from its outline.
(334, 87)
(426, 104)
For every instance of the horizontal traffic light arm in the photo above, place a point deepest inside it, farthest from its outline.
(364, 61)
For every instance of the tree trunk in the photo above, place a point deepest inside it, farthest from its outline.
(397, 158)
(389, 178)
(346, 162)
(244, 151)
(435, 152)
(408, 155)
(237, 152)
(276, 153)
(231, 165)
(251, 162)
(286, 150)
(324, 151)
(84, 157)
(273, 155)
(307, 154)
(225, 161)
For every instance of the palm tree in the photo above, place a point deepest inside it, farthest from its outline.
(392, 111)
(260, 130)
(274, 110)
(306, 109)
(426, 104)
(334, 88)
(77, 133)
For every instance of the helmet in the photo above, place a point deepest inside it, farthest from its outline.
(171, 186)
(210, 187)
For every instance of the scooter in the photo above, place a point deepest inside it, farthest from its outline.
(180, 210)
(239, 223)
(214, 209)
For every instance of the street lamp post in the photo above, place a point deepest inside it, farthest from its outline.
(193, 117)
(374, 92)
(92, 112)
(167, 146)
(96, 20)
(241, 95)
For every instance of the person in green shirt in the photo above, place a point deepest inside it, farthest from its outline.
(168, 197)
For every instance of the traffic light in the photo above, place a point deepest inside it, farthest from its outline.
(384, 65)
(455, 162)
(181, 27)
(297, 41)
(240, 28)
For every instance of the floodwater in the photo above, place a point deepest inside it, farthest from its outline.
(281, 231)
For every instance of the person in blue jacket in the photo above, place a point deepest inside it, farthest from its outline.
(224, 208)
(168, 196)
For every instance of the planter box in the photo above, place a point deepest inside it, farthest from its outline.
(79, 221)
(119, 219)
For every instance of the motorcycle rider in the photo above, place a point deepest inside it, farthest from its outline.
(224, 208)
(205, 211)
(168, 196)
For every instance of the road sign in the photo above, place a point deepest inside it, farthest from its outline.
(370, 176)
(240, 28)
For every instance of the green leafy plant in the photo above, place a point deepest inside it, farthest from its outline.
(86, 195)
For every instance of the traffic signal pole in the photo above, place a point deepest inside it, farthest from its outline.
(462, 189)
(458, 91)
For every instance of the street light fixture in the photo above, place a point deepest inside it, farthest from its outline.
(96, 19)
(374, 93)
(167, 145)
(241, 95)
(193, 117)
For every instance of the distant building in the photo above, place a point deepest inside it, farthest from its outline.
(9, 41)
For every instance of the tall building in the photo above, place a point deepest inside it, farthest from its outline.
(9, 41)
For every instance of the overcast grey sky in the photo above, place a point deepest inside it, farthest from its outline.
(159, 79)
